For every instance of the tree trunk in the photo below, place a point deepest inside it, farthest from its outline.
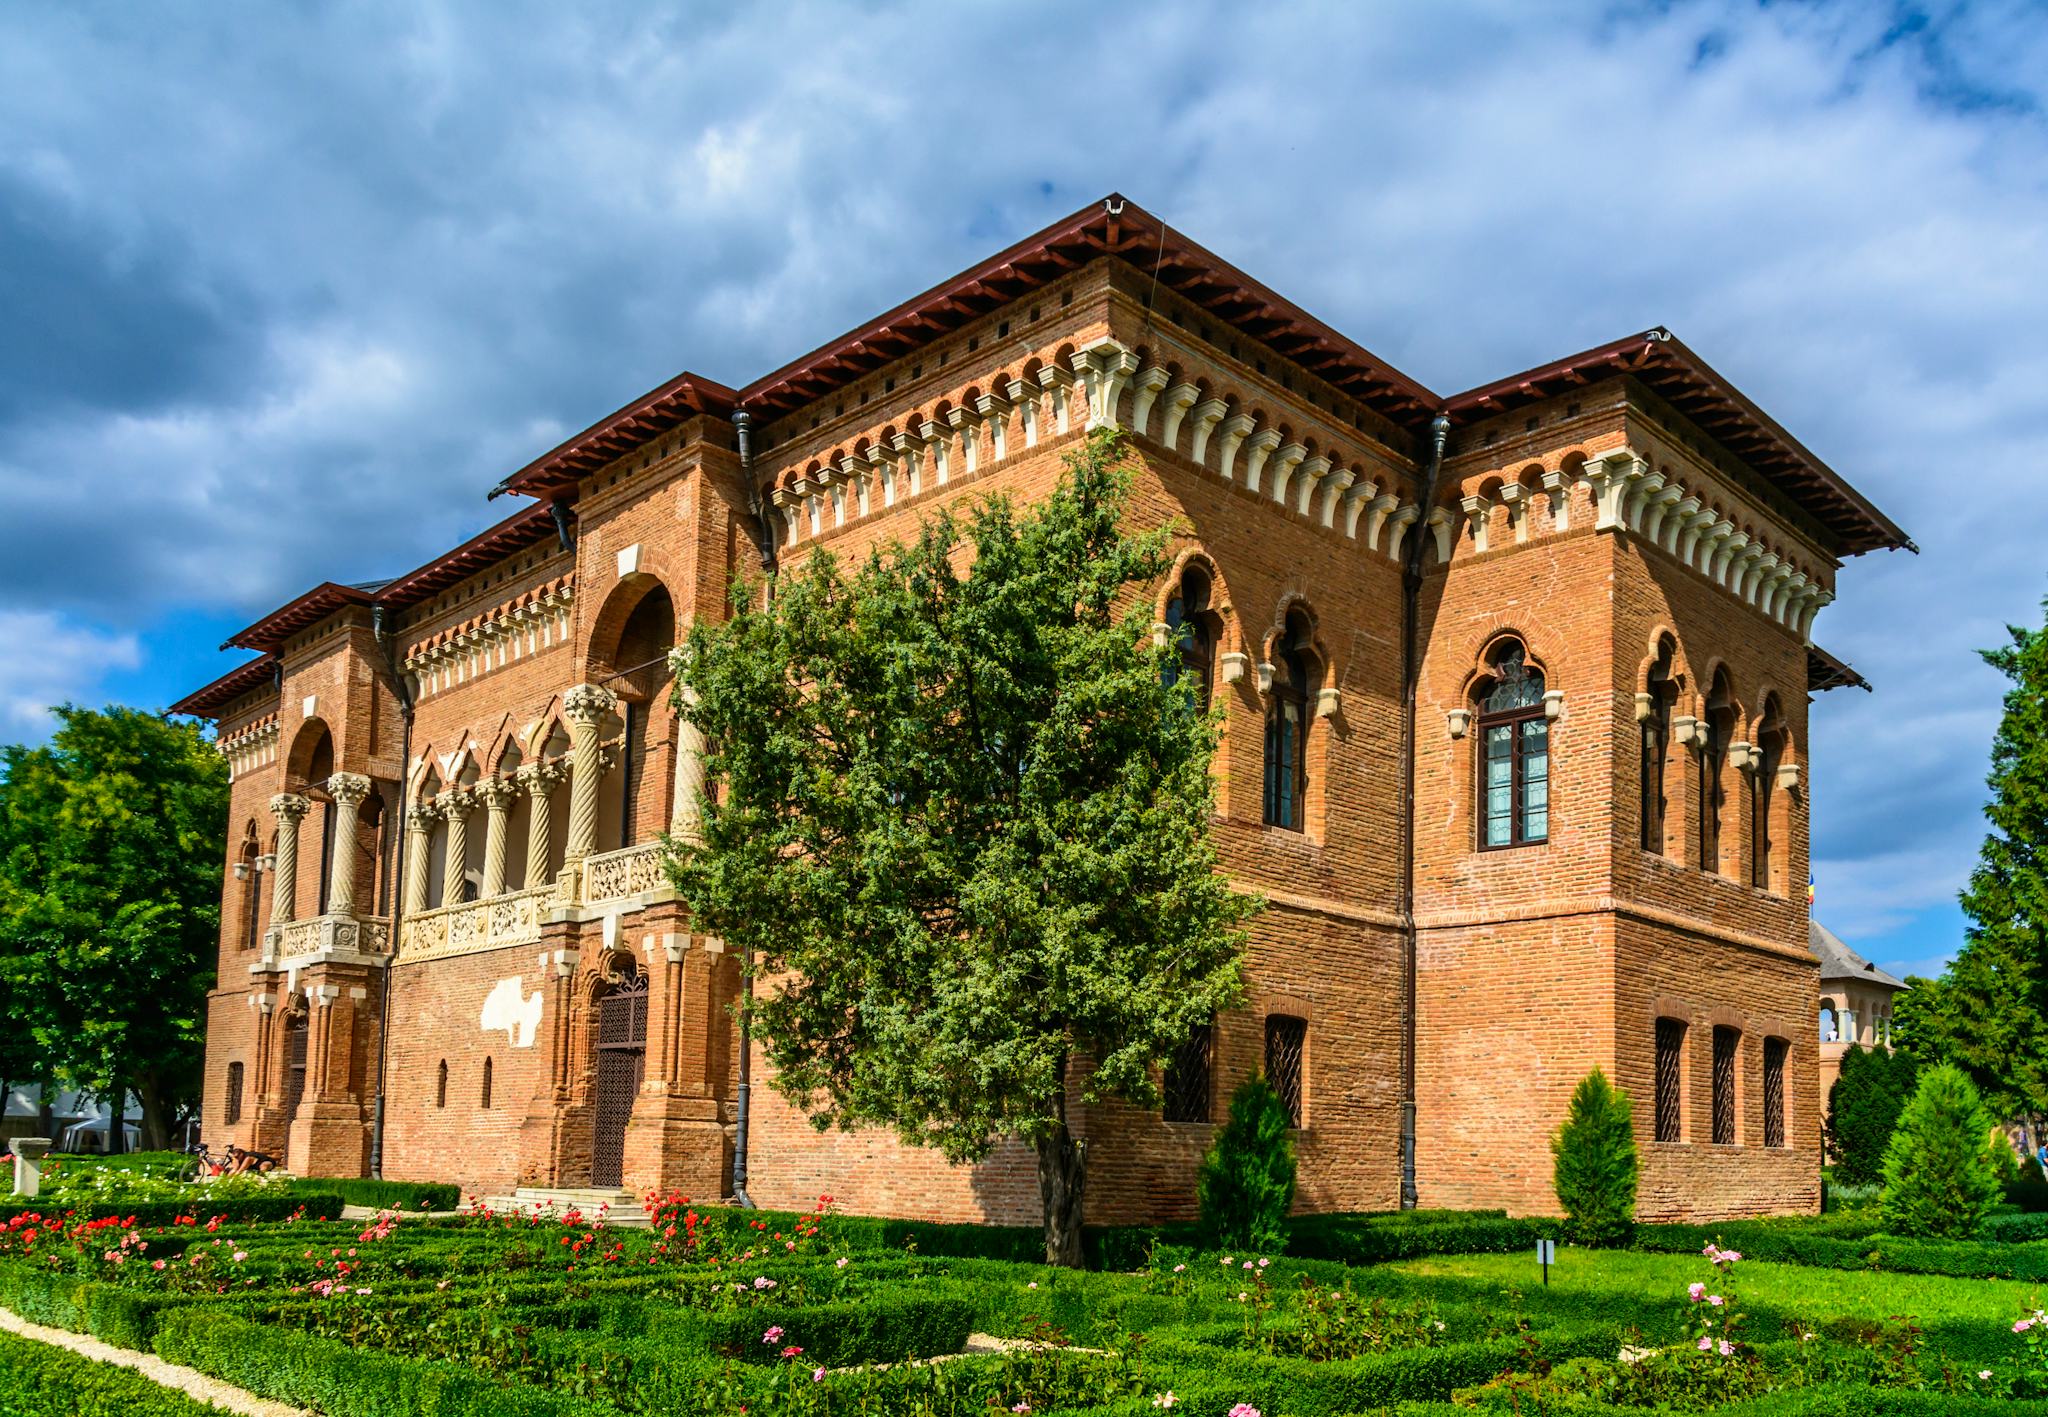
(1062, 1176)
(156, 1126)
(117, 1120)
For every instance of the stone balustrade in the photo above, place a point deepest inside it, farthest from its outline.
(621, 875)
(476, 925)
(321, 935)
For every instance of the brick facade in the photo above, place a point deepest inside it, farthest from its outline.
(1581, 514)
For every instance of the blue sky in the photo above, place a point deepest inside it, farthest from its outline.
(286, 289)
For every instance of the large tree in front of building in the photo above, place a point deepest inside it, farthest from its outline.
(1988, 1013)
(111, 841)
(958, 824)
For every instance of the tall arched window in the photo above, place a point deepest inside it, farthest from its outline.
(484, 1094)
(1770, 744)
(1828, 1027)
(1514, 752)
(1716, 730)
(251, 882)
(1655, 747)
(1193, 625)
(1296, 676)
(233, 1111)
(441, 1085)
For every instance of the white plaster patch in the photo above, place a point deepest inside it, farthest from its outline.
(310, 707)
(512, 1009)
(629, 560)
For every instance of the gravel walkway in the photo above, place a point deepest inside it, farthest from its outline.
(187, 1380)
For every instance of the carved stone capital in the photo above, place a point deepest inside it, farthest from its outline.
(497, 793)
(542, 777)
(423, 815)
(589, 704)
(348, 787)
(457, 802)
(289, 807)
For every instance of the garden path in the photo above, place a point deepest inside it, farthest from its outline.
(193, 1383)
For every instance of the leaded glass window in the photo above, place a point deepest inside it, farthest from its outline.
(1191, 623)
(1514, 756)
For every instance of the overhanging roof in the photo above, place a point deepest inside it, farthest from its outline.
(1824, 672)
(209, 701)
(270, 633)
(1114, 226)
(1661, 361)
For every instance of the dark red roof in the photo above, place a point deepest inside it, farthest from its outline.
(1112, 227)
(528, 525)
(270, 633)
(209, 701)
(1660, 360)
(1824, 672)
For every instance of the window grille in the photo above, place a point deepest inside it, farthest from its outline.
(1774, 1091)
(1187, 1076)
(1286, 1040)
(1725, 1042)
(1670, 1074)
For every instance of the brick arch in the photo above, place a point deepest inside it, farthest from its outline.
(303, 758)
(1660, 635)
(1291, 600)
(1195, 554)
(601, 645)
(1481, 667)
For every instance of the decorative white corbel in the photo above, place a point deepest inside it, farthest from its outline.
(1144, 390)
(1478, 512)
(1558, 488)
(1265, 677)
(1257, 449)
(1397, 523)
(1328, 701)
(1335, 486)
(1310, 474)
(1514, 496)
(1639, 495)
(1104, 366)
(995, 412)
(936, 438)
(1162, 634)
(1058, 385)
(910, 447)
(1788, 777)
(1645, 705)
(1025, 396)
(1553, 703)
(1439, 524)
(1283, 463)
(1206, 415)
(1178, 400)
(1233, 665)
(1458, 721)
(967, 427)
(1685, 729)
(1234, 430)
(1743, 756)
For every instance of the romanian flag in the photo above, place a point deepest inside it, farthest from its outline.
(1809, 888)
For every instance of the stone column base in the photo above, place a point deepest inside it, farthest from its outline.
(679, 1144)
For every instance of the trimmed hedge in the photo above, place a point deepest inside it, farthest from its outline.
(1354, 1240)
(339, 1381)
(1959, 1259)
(123, 1317)
(45, 1381)
(241, 1210)
(385, 1195)
(870, 1330)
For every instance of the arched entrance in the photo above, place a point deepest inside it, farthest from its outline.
(294, 1077)
(621, 1064)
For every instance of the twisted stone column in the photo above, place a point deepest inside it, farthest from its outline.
(497, 794)
(586, 707)
(419, 844)
(458, 803)
(540, 780)
(290, 809)
(348, 789)
(687, 816)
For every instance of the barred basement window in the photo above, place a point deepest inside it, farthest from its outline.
(441, 1086)
(1286, 1041)
(1774, 1091)
(1670, 1074)
(234, 1099)
(485, 1100)
(1726, 1040)
(1187, 1076)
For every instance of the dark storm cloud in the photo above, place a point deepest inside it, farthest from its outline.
(286, 289)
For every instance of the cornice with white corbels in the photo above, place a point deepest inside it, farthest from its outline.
(518, 629)
(1630, 496)
(251, 746)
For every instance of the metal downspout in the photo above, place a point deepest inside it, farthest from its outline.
(743, 422)
(381, 630)
(1411, 673)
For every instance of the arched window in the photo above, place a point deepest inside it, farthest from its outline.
(1716, 730)
(251, 881)
(1187, 1076)
(1774, 1091)
(441, 1085)
(1828, 1033)
(1514, 752)
(1655, 746)
(1193, 625)
(1286, 1047)
(484, 1093)
(1669, 1080)
(233, 1113)
(1770, 744)
(1726, 1043)
(1296, 678)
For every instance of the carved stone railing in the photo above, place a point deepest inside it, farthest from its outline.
(342, 934)
(618, 875)
(513, 919)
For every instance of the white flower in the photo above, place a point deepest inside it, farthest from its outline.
(1165, 1399)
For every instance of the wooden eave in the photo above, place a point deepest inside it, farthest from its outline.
(654, 413)
(1689, 384)
(215, 697)
(1824, 672)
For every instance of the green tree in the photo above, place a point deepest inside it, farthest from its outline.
(1595, 1163)
(111, 839)
(1863, 1108)
(959, 823)
(1939, 1178)
(1246, 1185)
(1988, 1013)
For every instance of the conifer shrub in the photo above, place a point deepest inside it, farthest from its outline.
(1863, 1108)
(1596, 1164)
(1939, 1178)
(1246, 1184)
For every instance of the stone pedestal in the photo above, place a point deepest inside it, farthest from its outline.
(679, 1144)
(28, 1163)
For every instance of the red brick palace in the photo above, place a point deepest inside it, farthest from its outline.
(1515, 689)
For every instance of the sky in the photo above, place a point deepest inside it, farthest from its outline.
(286, 288)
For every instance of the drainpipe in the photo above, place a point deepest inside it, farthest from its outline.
(743, 423)
(1411, 673)
(380, 627)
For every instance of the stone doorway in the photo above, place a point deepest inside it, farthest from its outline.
(621, 1064)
